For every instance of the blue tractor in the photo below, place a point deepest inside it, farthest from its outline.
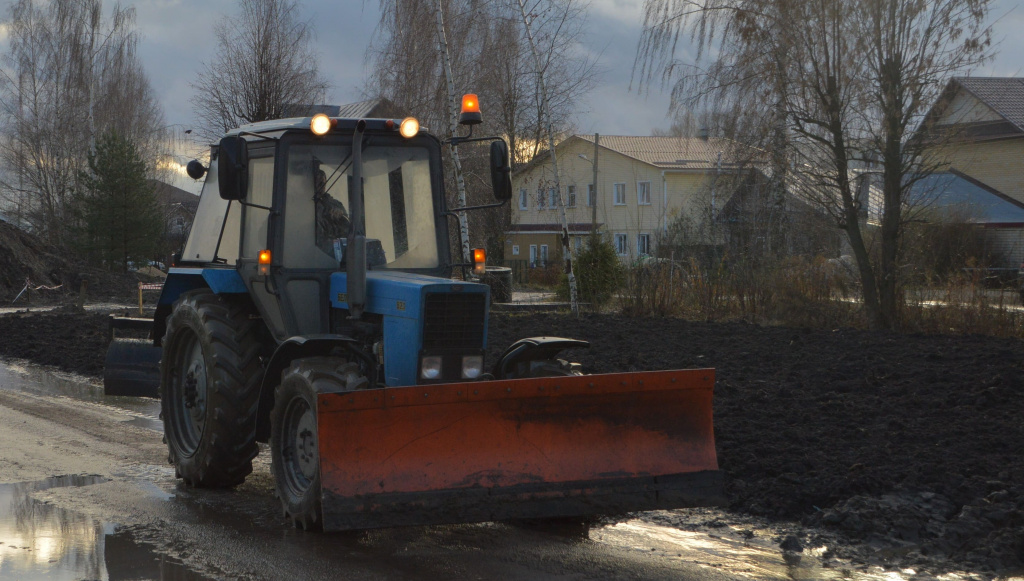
(313, 307)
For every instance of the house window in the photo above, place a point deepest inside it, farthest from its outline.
(643, 193)
(591, 195)
(619, 194)
(643, 244)
(515, 250)
(570, 196)
(621, 246)
(540, 199)
(553, 198)
(533, 255)
(578, 243)
(524, 202)
(543, 255)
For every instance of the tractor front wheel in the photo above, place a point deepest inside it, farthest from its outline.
(209, 389)
(294, 449)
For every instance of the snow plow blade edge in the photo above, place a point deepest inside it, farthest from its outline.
(523, 448)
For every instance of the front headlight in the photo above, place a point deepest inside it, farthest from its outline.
(472, 366)
(430, 367)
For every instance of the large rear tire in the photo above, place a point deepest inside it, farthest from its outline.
(209, 389)
(294, 450)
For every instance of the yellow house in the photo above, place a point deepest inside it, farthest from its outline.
(985, 116)
(643, 184)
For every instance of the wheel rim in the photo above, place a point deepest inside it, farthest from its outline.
(299, 446)
(190, 394)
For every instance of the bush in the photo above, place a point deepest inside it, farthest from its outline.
(599, 273)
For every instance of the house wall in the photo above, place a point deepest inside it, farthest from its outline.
(671, 193)
(994, 163)
(1008, 243)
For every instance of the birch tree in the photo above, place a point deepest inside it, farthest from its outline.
(841, 82)
(70, 71)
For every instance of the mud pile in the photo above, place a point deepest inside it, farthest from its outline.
(908, 445)
(51, 276)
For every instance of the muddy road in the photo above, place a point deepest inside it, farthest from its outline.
(86, 493)
(868, 449)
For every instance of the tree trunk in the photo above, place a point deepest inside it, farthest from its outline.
(453, 124)
(545, 113)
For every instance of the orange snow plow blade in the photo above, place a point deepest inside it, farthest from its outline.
(522, 448)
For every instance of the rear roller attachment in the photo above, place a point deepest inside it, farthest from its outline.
(132, 366)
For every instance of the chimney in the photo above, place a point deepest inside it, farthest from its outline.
(703, 133)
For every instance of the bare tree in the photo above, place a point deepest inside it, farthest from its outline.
(68, 73)
(827, 85)
(264, 61)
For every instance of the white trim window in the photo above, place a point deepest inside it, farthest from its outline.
(619, 194)
(643, 193)
(533, 256)
(524, 200)
(543, 255)
(591, 195)
(515, 250)
(570, 196)
(540, 199)
(621, 245)
(553, 198)
(643, 244)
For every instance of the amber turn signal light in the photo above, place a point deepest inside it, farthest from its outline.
(479, 261)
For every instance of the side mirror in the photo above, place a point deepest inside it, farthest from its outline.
(195, 169)
(501, 178)
(233, 168)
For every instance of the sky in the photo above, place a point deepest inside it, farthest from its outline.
(177, 37)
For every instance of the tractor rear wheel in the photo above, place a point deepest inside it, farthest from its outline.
(209, 389)
(294, 450)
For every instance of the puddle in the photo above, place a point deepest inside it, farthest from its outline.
(41, 541)
(25, 377)
(744, 559)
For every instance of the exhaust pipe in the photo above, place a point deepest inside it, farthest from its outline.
(355, 254)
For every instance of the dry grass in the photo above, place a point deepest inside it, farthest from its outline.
(811, 292)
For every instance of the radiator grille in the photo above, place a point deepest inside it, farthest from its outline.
(454, 320)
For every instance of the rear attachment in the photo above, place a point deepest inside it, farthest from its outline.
(523, 448)
(132, 366)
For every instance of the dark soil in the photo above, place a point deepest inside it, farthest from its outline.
(909, 445)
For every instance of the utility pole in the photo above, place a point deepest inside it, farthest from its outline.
(593, 208)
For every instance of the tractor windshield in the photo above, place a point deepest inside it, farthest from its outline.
(398, 199)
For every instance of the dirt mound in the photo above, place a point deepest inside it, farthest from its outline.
(26, 257)
(911, 441)
(53, 277)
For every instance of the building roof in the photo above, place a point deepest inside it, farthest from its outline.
(668, 153)
(956, 192)
(378, 108)
(675, 152)
(1005, 95)
(168, 195)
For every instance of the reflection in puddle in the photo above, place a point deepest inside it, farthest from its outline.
(41, 541)
(24, 377)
